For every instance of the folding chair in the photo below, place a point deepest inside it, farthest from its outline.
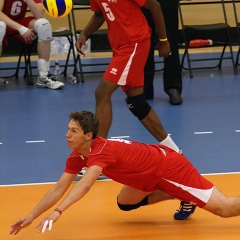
(237, 63)
(79, 5)
(191, 32)
(69, 35)
(25, 52)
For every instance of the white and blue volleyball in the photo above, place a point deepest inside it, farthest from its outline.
(57, 8)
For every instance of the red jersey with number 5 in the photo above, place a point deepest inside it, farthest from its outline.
(16, 9)
(125, 20)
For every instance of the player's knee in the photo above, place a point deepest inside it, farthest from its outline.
(138, 106)
(44, 30)
(226, 210)
(129, 207)
(2, 31)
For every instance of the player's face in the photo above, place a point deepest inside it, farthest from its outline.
(75, 136)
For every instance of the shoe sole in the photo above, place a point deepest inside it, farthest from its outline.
(43, 86)
(185, 218)
(176, 103)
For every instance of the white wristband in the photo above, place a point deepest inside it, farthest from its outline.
(22, 30)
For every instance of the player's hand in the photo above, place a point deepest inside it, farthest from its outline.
(20, 224)
(47, 222)
(163, 49)
(81, 42)
(29, 35)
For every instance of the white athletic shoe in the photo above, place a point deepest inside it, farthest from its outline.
(82, 172)
(47, 82)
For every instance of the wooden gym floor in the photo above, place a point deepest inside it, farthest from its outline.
(97, 216)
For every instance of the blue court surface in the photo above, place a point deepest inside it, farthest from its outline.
(33, 123)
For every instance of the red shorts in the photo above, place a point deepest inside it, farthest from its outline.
(181, 180)
(24, 22)
(127, 65)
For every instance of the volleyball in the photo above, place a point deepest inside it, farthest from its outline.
(57, 8)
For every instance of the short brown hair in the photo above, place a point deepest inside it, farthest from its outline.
(88, 121)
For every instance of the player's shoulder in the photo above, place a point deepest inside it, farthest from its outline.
(98, 145)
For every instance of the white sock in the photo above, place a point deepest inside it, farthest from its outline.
(43, 67)
(170, 143)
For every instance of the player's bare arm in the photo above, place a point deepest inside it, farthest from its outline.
(154, 7)
(78, 191)
(1, 5)
(81, 187)
(26, 33)
(9, 22)
(93, 25)
(51, 198)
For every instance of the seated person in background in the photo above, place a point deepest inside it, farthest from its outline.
(14, 22)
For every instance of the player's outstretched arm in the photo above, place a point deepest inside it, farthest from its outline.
(77, 192)
(17, 226)
(51, 198)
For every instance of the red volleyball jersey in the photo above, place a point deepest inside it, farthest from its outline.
(125, 20)
(16, 9)
(145, 167)
(121, 160)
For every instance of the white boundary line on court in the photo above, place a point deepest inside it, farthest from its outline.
(202, 132)
(121, 137)
(46, 183)
(103, 180)
(36, 141)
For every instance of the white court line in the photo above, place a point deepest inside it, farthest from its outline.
(1, 143)
(36, 141)
(105, 180)
(45, 183)
(202, 132)
(121, 137)
(237, 130)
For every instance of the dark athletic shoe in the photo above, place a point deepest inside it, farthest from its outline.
(185, 211)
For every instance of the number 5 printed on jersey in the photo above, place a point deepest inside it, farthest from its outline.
(108, 12)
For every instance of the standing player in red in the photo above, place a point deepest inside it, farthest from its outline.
(150, 173)
(13, 22)
(129, 36)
